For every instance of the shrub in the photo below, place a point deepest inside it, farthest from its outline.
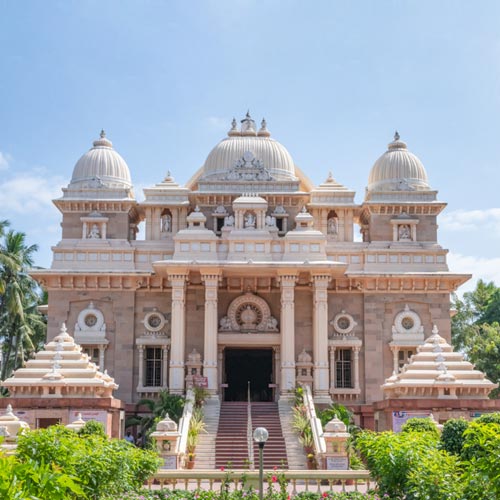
(391, 457)
(338, 410)
(103, 466)
(488, 418)
(482, 450)
(452, 438)
(32, 480)
(420, 425)
(436, 476)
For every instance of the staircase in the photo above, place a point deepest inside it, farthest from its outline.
(231, 448)
(267, 415)
(205, 457)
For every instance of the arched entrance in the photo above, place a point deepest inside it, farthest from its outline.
(243, 366)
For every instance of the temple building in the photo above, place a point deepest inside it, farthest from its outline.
(249, 275)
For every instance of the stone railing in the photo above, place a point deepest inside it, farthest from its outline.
(297, 480)
(184, 422)
(314, 421)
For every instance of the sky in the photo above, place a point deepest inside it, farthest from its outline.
(334, 80)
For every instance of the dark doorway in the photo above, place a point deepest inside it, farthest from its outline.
(43, 423)
(244, 365)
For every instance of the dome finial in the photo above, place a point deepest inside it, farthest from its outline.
(248, 125)
(102, 135)
(396, 136)
(234, 128)
(263, 132)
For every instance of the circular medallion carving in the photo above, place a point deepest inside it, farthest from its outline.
(154, 321)
(343, 323)
(407, 321)
(90, 320)
(249, 312)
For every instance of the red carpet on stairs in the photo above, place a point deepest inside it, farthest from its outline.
(231, 449)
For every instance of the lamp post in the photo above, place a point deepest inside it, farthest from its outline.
(260, 436)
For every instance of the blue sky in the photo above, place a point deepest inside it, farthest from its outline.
(334, 79)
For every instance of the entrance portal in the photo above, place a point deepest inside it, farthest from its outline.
(248, 365)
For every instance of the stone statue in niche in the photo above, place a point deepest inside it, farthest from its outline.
(270, 221)
(404, 232)
(225, 324)
(229, 221)
(166, 223)
(249, 220)
(94, 232)
(332, 225)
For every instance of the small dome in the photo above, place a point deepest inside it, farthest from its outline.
(248, 154)
(101, 165)
(398, 170)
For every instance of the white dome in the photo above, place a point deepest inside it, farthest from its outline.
(248, 154)
(398, 170)
(101, 164)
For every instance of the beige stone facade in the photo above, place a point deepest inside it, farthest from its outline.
(250, 265)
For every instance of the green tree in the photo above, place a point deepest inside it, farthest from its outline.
(22, 328)
(476, 331)
(172, 404)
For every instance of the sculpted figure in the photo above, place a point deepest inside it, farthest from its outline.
(229, 221)
(94, 232)
(332, 225)
(166, 223)
(272, 324)
(225, 324)
(270, 221)
(249, 220)
(404, 232)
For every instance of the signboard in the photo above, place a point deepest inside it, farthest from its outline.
(337, 463)
(169, 462)
(400, 417)
(201, 382)
(26, 416)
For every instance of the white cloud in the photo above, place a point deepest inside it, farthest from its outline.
(5, 159)
(29, 192)
(219, 122)
(487, 269)
(472, 220)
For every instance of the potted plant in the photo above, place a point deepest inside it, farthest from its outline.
(190, 460)
(195, 427)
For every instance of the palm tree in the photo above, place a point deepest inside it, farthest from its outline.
(20, 322)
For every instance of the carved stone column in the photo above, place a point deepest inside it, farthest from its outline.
(395, 358)
(211, 281)
(277, 366)
(320, 338)
(102, 348)
(140, 384)
(164, 371)
(332, 367)
(178, 332)
(355, 350)
(287, 282)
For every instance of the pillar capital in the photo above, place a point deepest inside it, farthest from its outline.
(178, 279)
(287, 277)
(211, 276)
(320, 280)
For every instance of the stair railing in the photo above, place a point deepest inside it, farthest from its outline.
(184, 422)
(249, 429)
(316, 427)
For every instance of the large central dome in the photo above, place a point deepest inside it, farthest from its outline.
(248, 154)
